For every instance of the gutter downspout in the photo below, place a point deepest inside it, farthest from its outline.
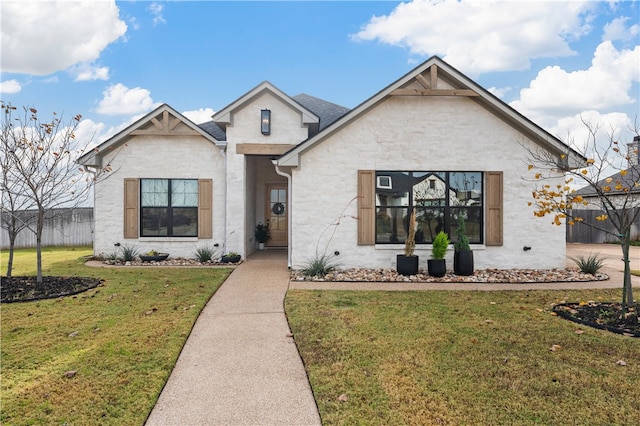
(224, 242)
(289, 225)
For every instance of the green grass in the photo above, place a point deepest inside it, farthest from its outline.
(481, 358)
(130, 332)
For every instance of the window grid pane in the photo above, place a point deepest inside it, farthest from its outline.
(169, 207)
(439, 199)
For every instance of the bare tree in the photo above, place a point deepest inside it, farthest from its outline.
(612, 177)
(39, 159)
(13, 205)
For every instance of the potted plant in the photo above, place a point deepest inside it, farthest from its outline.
(231, 257)
(153, 256)
(462, 255)
(407, 263)
(262, 234)
(437, 265)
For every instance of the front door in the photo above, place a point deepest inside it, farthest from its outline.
(277, 212)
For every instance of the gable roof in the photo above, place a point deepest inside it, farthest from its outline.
(163, 120)
(461, 86)
(327, 112)
(225, 115)
(630, 180)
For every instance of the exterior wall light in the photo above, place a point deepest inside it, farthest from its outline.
(265, 121)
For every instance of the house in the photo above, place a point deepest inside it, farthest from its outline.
(622, 190)
(622, 187)
(333, 181)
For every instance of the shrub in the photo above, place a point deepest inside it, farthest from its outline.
(439, 246)
(462, 242)
(590, 264)
(205, 254)
(319, 266)
(129, 253)
(111, 256)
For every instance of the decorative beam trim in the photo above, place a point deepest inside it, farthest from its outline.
(423, 81)
(154, 132)
(157, 123)
(434, 77)
(262, 149)
(434, 92)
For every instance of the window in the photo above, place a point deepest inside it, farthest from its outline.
(439, 199)
(169, 207)
(384, 182)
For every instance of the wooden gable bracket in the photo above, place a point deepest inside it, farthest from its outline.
(430, 87)
(167, 126)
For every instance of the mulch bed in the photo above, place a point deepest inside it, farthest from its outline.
(602, 315)
(25, 289)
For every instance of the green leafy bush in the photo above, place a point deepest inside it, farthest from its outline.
(590, 264)
(205, 254)
(319, 266)
(129, 253)
(439, 247)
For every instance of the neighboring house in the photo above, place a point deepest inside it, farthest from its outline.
(323, 177)
(622, 187)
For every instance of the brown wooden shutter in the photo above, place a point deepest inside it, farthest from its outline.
(493, 220)
(366, 207)
(205, 213)
(131, 200)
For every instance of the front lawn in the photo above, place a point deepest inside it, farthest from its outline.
(482, 358)
(99, 357)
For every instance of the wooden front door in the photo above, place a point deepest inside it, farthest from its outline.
(277, 213)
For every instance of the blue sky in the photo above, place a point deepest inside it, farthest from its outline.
(112, 62)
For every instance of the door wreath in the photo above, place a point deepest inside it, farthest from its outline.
(278, 208)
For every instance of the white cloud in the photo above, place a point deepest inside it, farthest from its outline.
(606, 84)
(499, 91)
(120, 100)
(618, 30)
(42, 37)
(156, 11)
(10, 86)
(198, 116)
(481, 36)
(89, 72)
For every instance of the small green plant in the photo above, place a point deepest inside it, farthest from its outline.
(319, 266)
(262, 233)
(439, 247)
(462, 242)
(152, 253)
(590, 264)
(114, 255)
(205, 254)
(129, 253)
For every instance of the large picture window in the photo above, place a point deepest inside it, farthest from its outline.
(169, 207)
(439, 199)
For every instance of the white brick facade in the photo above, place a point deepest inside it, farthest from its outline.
(435, 134)
(444, 129)
(185, 157)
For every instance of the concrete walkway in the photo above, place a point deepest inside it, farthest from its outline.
(240, 365)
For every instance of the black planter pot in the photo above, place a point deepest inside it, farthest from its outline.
(437, 267)
(463, 263)
(407, 265)
(154, 258)
(230, 258)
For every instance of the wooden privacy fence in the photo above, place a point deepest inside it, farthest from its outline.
(62, 227)
(581, 233)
